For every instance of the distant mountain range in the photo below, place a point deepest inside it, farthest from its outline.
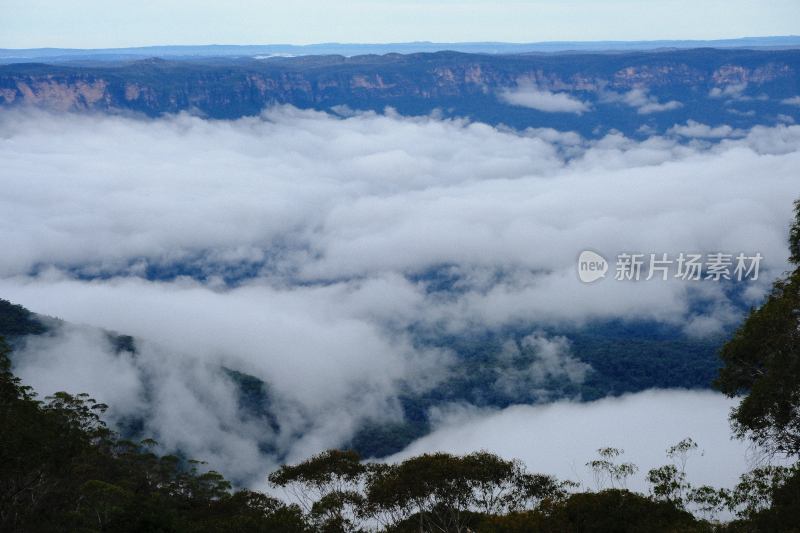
(353, 49)
(638, 93)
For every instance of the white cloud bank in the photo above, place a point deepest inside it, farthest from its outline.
(305, 197)
(643, 424)
(327, 224)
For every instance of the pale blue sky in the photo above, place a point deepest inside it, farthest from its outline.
(113, 23)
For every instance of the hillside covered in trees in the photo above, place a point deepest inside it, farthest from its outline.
(64, 470)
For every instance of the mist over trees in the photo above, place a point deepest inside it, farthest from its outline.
(63, 469)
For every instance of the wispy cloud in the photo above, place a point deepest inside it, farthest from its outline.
(528, 95)
(641, 100)
(733, 91)
(696, 129)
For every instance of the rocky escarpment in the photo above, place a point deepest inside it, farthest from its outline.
(461, 84)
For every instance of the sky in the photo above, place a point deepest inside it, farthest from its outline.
(114, 23)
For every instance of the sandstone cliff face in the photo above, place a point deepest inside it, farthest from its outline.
(736, 74)
(57, 93)
(414, 82)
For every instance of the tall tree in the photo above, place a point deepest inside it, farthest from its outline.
(762, 360)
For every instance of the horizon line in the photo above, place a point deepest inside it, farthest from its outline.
(425, 42)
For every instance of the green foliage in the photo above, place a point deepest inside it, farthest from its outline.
(756, 489)
(608, 511)
(783, 515)
(794, 236)
(437, 489)
(485, 493)
(753, 495)
(667, 483)
(606, 470)
(431, 492)
(328, 486)
(763, 359)
(707, 500)
(62, 469)
(16, 321)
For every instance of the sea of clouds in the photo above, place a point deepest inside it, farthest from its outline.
(298, 246)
